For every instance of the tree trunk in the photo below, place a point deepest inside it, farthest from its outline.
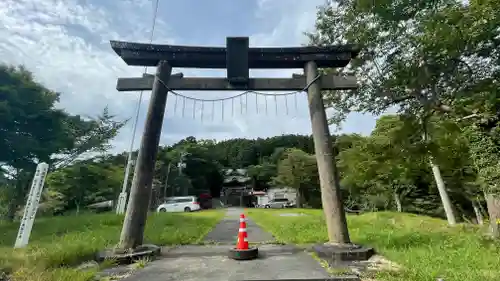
(11, 210)
(397, 200)
(445, 199)
(493, 203)
(17, 196)
(477, 212)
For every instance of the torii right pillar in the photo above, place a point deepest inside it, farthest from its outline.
(339, 246)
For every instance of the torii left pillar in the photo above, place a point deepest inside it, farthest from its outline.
(140, 193)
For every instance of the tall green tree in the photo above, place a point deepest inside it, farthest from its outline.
(33, 130)
(299, 171)
(85, 182)
(417, 56)
(383, 164)
(262, 174)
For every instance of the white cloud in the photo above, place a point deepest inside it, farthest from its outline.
(295, 18)
(66, 44)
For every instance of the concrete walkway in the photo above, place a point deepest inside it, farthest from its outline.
(210, 262)
(226, 231)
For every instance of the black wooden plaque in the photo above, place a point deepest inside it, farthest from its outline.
(237, 60)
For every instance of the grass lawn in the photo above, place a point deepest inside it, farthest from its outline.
(59, 242)
(426, 247)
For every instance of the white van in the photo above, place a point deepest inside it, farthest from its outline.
(180, 204)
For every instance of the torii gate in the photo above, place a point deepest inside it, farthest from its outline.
(237, 58)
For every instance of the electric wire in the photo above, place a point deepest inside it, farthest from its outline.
(138, 107)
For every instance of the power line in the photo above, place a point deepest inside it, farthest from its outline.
(151, 36)
(123, 197)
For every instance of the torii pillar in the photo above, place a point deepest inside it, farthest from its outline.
(140, 192)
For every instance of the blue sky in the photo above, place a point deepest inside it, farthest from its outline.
(66, 44)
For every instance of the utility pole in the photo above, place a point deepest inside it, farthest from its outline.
(181, 165)
(331, 200)
(166, 180)
(132, 234)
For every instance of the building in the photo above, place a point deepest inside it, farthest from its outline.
(262, 198)
(236, 189)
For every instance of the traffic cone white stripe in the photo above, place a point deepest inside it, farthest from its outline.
(243, 230)
(242, 220)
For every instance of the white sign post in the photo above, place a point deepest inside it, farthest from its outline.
(122, 198)
(31, 207)
(122, 201)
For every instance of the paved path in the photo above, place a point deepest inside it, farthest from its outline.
(226, 231)
(210, 262)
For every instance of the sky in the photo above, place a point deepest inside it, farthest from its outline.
(65, 43)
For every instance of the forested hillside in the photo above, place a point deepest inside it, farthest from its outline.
(387, 170)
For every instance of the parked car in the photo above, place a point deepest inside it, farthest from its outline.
(205, 201)
(277, 203)
(180, 204)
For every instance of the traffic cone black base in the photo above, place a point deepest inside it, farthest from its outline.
(242, 251)
(241, 255)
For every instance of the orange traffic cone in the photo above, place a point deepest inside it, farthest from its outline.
(242, 243)
(242, 251)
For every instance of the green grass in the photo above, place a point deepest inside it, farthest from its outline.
(425, 247)
(58, 243)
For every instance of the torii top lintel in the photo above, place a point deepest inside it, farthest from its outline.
(237, 49)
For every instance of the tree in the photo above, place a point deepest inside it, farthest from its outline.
(34, 131)
(299, 171)
(262, 174)
(407, 59)
(479, 47)
(86, 182)
(376, 165)
(201, 174)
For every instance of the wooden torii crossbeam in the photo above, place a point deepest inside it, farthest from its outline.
(177, 82)
(237, 57)
(237, 52)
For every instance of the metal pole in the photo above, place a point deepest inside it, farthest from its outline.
(122, 198)
(166, 180)
(328, 174)
(140, 193)
(182, 165)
